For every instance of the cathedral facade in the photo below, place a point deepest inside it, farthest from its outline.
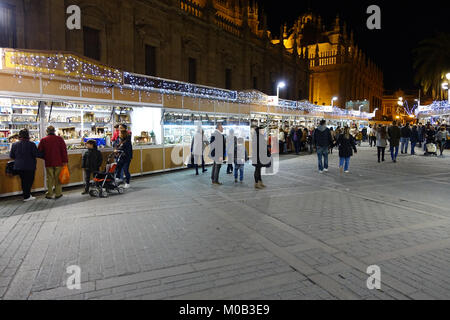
(338, 68)
(218, 43)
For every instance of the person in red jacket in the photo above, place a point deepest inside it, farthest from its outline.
(54, 151)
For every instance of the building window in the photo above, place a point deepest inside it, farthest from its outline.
(228, 79)
(192, 70)
(255, 83)
(91, 39)
(150, 60)
(8, 38)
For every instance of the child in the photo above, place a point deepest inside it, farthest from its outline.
(240, 158)
(92, 160)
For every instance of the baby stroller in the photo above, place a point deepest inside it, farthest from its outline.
(431, 149)
(105, 182)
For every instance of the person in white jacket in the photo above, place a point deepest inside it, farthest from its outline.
(198, 148)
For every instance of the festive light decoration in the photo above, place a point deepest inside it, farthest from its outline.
(434, 109)
(169, 86)
(77, 69)
(56, 64)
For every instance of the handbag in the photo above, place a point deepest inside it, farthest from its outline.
(9, 170)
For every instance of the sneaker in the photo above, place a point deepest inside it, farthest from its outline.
(262, 185)
(258, 186)
(347, 171)
(126, 186)
(325, 170)
(205, 170)
(31, 198)
(320, 171)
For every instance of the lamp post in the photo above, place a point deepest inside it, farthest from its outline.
(333, 100)
(400, 104)
(280, 85)
(446, 86)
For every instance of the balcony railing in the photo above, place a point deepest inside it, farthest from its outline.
(227, 25)
(192, 8)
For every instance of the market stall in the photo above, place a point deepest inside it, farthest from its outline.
(85, 100)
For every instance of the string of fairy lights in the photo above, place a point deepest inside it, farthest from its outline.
(83, 71)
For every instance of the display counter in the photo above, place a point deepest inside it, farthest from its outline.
(146, 160)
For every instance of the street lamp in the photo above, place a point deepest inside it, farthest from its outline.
(280, 85)
(333, 100)
(445, 86)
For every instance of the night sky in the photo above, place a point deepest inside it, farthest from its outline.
(404, 25)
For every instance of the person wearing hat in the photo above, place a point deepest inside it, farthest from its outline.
(54, 151)
(24, 153)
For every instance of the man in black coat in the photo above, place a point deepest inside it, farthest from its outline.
(322, 140)
(218, 150)
(405, 138)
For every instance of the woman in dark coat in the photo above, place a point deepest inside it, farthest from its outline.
(24, 153)
(347, 145)
(259, 145)
(126, 147)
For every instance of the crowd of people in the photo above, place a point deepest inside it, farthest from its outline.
(53, 150)
(229, 150)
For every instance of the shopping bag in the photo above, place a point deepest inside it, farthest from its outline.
(64, 176)
(9, 170)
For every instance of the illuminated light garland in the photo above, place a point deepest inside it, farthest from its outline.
(436, 108)
(83, 71)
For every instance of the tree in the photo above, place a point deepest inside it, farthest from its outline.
(432, 63)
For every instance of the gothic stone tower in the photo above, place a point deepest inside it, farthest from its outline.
(338, 67)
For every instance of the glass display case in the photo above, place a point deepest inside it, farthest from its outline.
(180, 128)
(78, 123)
(15, 115)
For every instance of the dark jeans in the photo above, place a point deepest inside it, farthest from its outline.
(381, 152)
(394, 152)
(239, 168)
(196, 164)
(258, 173)
(27, 179)
(373, 141)
(229, 168)
(297, 146)
(87, 179)
(215, 172)
(125, 166)
(322, 153)
(413, 147)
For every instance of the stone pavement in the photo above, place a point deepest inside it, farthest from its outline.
(174, 236)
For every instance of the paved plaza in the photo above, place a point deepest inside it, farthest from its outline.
(174, 236)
